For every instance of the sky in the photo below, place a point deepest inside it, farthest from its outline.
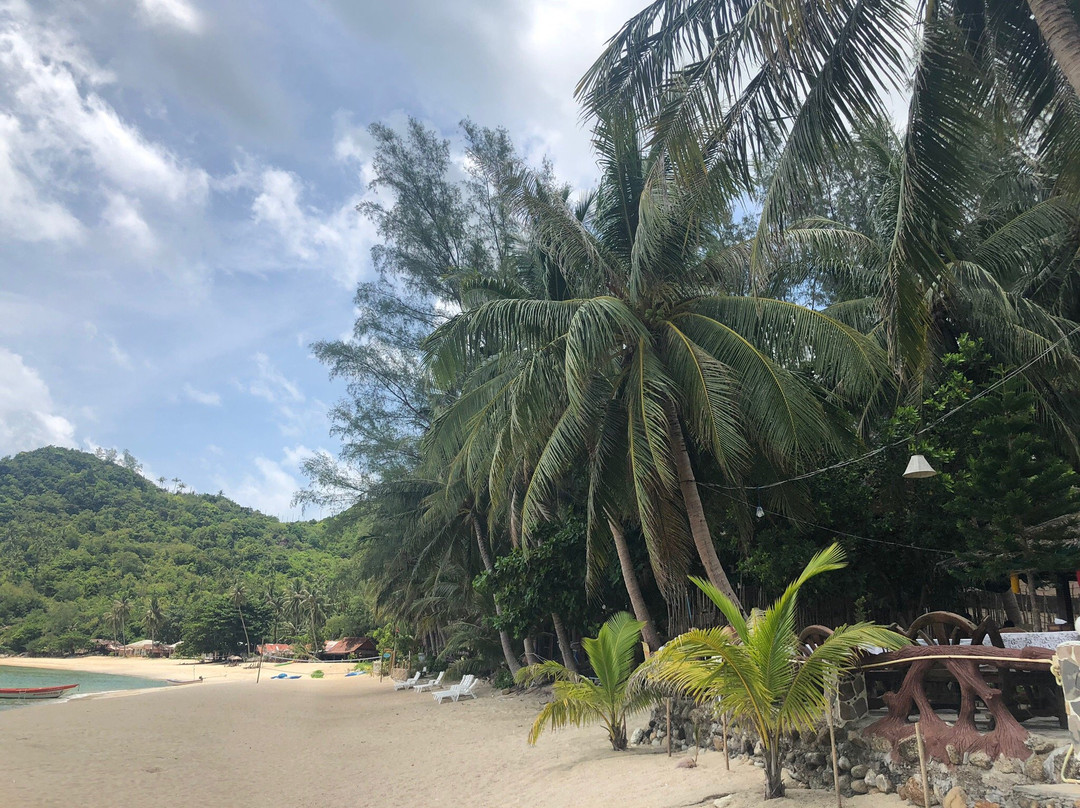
(178, 181)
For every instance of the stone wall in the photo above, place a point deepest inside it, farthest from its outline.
(870, 764)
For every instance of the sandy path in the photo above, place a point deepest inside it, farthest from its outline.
(310, 743)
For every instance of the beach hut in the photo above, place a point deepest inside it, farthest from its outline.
(349, 648)
(274, 649)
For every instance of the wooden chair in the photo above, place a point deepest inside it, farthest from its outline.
(941, 628)
(811, 637)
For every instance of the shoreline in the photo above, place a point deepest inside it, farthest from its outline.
(174, 668)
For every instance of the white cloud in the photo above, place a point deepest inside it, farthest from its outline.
(173, 14)
(339, 240)
(271, 384)
(24, 214)
(57, 126)
(270, 486)
(209, 399)
(122, 217)
(28, 417)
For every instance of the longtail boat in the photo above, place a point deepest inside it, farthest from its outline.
(35, 692)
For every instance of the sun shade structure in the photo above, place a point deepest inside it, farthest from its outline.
(918, 468)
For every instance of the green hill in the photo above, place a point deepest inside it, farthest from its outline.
(85, 544)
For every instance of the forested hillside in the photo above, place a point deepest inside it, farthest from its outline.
(89, 548)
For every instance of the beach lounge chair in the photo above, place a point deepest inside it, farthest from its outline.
(455, 692)
(430, 684)
(412, 680)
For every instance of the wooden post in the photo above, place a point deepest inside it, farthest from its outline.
(723, 724)
(258, 671)
(832, 744)
(922, 765)
(667, 705)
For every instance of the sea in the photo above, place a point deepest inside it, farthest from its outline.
(11, 676)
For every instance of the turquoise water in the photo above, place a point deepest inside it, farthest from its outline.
(88, 682)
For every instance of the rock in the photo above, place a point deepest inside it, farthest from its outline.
(815, 759)
(985, 804)
(859, 786)
(843, 764)
(858, 771)
(1008, 765)
(884, 784)
(1033, 768)
(638, 736)
(879, 744)
(845, 781)
(718, 743)
(655, 741)
(723, 802)
(912, 791)
(953, 754)
(980, 759)
(759, 749)
(1039, 745)
(956, 798)
(686, 763)
(909, 750)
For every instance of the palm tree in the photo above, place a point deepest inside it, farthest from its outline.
(734, 86)
(578, 700)
(121, 610)
(649, 365)
(238, 597)
(754, 666)
(153, 619)
(276, 602)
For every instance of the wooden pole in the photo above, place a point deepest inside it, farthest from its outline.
(723, 724)
(832, 745)
(922, 765)
(667, 705)
(258, 672)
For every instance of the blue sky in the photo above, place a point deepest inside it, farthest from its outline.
(177, 184)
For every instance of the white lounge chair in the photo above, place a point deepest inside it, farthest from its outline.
(455, 692)
(412, 680)
(430, 684)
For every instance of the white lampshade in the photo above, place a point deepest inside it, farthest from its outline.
(917, 468)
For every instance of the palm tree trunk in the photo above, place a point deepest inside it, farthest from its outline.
(633, 589)
(530, 652)
(504, 638)
(774, 780)
(1059, 27)
(1012, 608)
(567, 652)
(695, 513)
(243, 625)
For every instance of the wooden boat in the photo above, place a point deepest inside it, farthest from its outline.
(175, 682)
(35, 692)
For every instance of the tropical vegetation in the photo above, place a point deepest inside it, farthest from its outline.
(754, 668)
(578, 700)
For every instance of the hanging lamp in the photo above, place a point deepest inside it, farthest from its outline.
(918, 468)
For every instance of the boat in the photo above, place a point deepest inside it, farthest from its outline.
(35, 692)
(184, 681)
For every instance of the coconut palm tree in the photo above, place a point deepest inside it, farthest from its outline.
(754, 666)
(647, 365)
(238, 597)
(121, 611)
(153, 619)
(578, 700)
(739, 85)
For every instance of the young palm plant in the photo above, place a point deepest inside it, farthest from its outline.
(754, 666)
(579, 700)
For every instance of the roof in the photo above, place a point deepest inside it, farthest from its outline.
(274, 648)
(349, 645)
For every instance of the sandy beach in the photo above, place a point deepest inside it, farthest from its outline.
(310, 742)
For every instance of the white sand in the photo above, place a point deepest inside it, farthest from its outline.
(349, 741)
